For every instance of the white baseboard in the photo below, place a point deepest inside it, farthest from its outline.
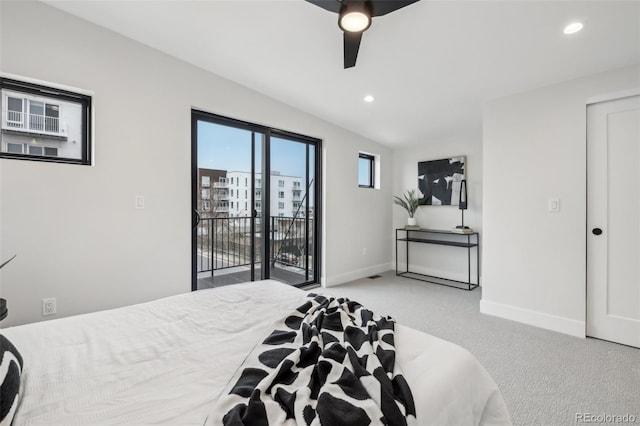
(535, 318)
(334, 280)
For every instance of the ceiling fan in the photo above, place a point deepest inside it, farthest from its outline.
(354, 18)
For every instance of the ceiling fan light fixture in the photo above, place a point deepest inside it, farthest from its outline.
(354, 22)
(355, 17)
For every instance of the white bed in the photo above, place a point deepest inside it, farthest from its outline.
(166, 362)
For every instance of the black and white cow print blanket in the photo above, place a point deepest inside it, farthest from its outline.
(331, 362)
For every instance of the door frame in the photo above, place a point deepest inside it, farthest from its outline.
(197, 115)
(592, 101)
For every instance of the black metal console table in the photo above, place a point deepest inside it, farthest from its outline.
(444, 238)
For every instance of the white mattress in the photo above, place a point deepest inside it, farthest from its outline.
(166, 361)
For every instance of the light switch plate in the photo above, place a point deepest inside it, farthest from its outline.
(139, 201)
(554, 205)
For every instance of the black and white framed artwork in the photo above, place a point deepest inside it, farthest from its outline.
(439, 181)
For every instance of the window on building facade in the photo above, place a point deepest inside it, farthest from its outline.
(50, 152)
(281, 194)
(296, 185)
(246, 181)
(246, 194)
(366, 167)
(232, 204)
(281, 183)
(281, 205)
(48, 124)
(206, 181)
(280, 214)
(258, 183)
(296, 206)
(231, 181)
(232, 191)
(35, 150)
(205, 194)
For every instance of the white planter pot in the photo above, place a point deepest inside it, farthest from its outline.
(412, 221)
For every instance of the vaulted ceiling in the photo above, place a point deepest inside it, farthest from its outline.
(430, 66)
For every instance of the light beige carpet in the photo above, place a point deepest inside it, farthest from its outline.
(546, 378)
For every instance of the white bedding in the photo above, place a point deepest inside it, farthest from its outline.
(166, 361)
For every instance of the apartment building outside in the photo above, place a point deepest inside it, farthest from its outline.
(41, 126)
(286, 195)
(213, 193)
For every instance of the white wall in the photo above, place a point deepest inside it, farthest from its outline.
(449, 262)
(75, 229)
(534, 148)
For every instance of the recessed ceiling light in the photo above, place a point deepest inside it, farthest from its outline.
(369, 98)
(573, 28)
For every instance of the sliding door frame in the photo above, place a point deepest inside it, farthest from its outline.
(311, 143)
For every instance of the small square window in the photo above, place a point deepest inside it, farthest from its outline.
(366, 170)
(281, 205)
(281, 183)
(281, 194)
(50, 115)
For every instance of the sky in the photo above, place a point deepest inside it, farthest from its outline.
(228, 148)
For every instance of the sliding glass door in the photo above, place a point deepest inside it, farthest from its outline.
(292, 172)
(255, 200)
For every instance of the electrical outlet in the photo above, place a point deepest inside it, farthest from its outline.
(48, 306)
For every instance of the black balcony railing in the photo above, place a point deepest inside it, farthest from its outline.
(226, 242)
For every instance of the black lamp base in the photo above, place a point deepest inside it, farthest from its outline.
(462, 227)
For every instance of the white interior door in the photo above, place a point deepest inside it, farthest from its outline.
(613, 220)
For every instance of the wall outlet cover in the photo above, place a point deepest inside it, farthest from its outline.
(48, 306)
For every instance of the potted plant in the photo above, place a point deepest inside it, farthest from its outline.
(410, 203)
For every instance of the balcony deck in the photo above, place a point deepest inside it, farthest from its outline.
(243, 274)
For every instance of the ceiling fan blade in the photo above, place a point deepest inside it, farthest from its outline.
(382, 7)
(351, 47)
(330, 5)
